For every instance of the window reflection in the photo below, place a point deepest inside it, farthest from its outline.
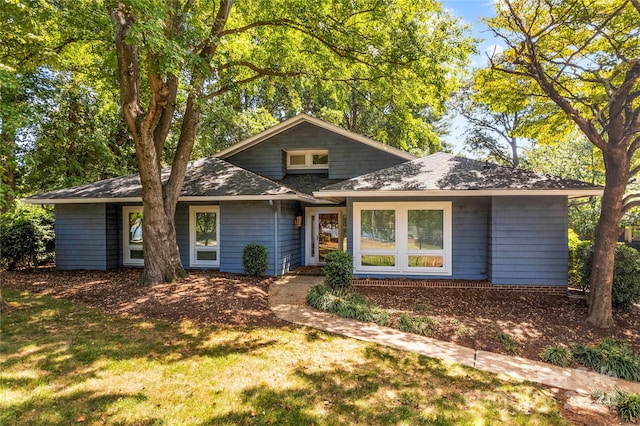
(135, 228)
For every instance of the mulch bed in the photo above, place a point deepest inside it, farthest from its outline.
(203, 297)
(472, 317)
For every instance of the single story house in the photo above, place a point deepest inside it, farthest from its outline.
(304, 188)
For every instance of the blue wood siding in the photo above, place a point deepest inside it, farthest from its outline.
(289, 247)
(81, 232)
(182, 232)
(469, 237)
(528, 240)
(347, 158)
(241, 223)
(113, 236)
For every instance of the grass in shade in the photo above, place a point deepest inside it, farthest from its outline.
(62, 363)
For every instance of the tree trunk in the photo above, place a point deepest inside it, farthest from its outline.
(161, 255)
(607, 230)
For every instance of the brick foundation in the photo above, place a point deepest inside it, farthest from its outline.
(462, 284)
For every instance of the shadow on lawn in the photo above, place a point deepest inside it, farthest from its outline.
(63, 349)
(68, 347)
(377, 392)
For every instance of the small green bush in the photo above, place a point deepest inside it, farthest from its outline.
(611, 357)
(626, 404)
(509, 343)
(254, 259)
(346, 304)
(424, 326)
(26, 236)
(557, 355)
(626, 285)
(338, 270)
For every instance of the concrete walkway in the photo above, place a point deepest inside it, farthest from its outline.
(287, 298)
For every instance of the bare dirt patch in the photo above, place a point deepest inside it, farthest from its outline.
(203, 297)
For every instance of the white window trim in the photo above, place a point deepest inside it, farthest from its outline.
(126, 246)
(401, 251)
(193, 249)
(310, 211)
(308, 164)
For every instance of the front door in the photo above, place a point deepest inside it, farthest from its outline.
(326, 232)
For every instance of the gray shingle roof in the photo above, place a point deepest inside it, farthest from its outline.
(308, 183)
(207, 177)
(443, 171)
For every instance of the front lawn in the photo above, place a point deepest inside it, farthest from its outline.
(65, 363)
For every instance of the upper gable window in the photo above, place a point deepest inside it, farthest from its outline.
(316, 159)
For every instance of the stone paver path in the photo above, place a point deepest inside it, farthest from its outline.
(287, 299)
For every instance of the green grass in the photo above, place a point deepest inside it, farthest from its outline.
(62, 363)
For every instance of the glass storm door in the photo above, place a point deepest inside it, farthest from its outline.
(328, 233)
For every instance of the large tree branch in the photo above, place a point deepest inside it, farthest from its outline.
(191, 116)
(128, 70)
(529, 59)
(176, 25)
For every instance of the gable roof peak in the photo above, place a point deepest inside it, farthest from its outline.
(305, 118)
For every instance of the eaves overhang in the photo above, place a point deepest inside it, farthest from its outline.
(138, 200)
(565, 192)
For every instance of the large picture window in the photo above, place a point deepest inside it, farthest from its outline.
(407, 238)
(204, 233)
(132, 235)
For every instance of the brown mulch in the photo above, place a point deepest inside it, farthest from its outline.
(204, 296)
(472, 317)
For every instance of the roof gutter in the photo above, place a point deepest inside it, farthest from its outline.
(571, 193)
(88, 200)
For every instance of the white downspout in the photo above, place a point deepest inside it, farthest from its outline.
(275, 236)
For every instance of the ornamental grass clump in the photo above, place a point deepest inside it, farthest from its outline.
(557, 355)
(626, 404)
(611, 357)
(346, 305)
(424, 326)
(510, 343)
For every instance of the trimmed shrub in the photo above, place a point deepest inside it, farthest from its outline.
(346, 304)
(626, 285)
(557, 355)
(27, 237)
(254, 259)
(338, 270)
(611, 357)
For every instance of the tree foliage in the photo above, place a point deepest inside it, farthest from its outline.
(176, 59)
(58, 104)
(584, 56)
